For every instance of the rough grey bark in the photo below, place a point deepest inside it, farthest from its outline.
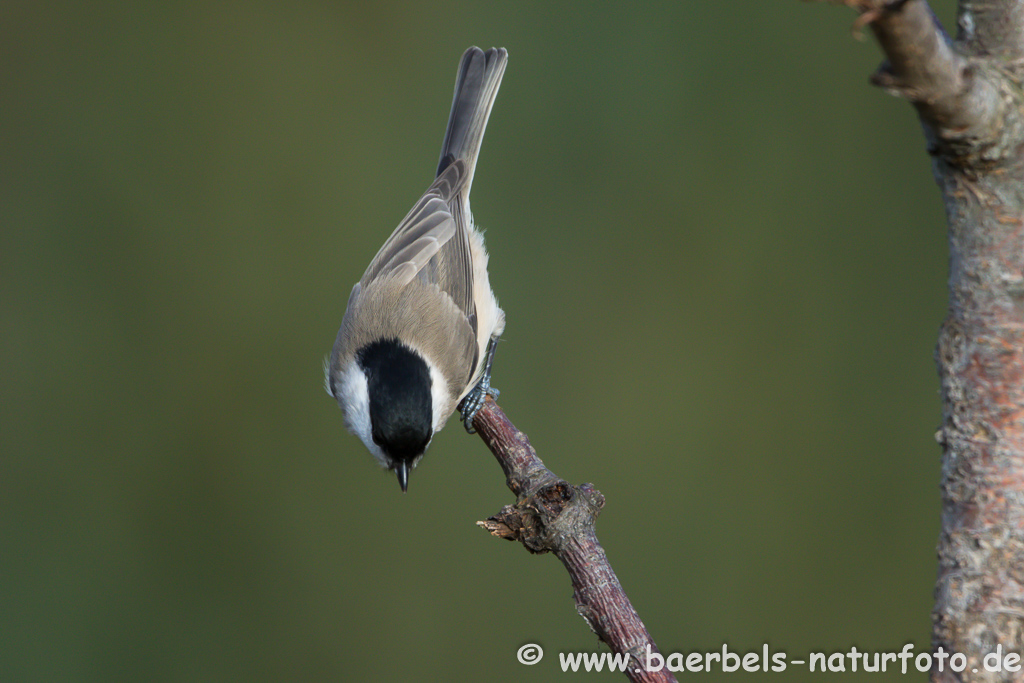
(968, 95)
(552, 515)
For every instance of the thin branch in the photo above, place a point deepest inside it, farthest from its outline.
(960, 100)
(922, 64)
(551, 515)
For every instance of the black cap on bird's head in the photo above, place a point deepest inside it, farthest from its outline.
(401, 405)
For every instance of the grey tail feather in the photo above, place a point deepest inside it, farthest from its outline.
(475, 89)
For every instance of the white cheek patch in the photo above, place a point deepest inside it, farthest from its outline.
(441, 398)
(354, 398)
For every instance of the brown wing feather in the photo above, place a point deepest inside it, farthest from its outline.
(432, 244)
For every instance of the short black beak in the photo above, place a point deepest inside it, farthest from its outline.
(402, 470)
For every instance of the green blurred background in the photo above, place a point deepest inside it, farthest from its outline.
(723, 260)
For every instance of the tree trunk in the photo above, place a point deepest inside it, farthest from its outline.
(969, 98)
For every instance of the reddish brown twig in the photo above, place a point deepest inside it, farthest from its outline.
(551, 515)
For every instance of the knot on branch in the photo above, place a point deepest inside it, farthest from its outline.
(892, 84)
(543, 519)
(552, 515)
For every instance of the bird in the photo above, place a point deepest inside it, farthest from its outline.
(420, 328)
